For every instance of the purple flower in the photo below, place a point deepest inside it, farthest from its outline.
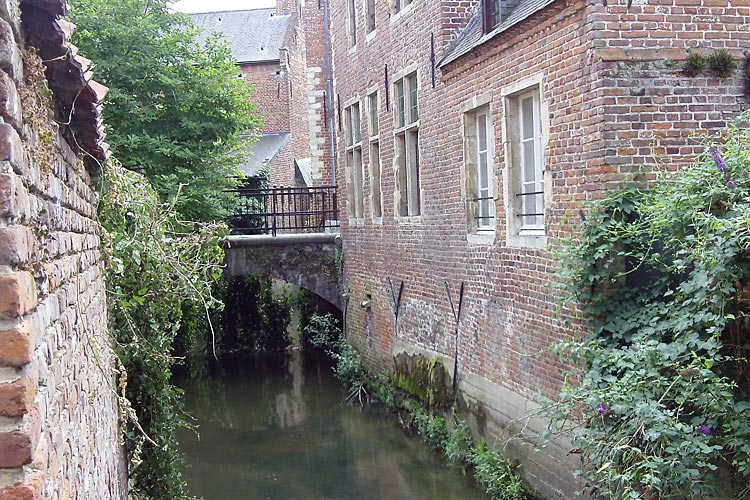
(602, 409)
(731, 183)
(705, 429)
(720, 163)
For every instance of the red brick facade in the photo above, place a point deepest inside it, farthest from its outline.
(270, 81)
(613, 101)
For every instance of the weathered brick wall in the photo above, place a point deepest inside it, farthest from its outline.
(320, 151)
(58, 406)
(271, 97)
(283, 169)
(611, 110)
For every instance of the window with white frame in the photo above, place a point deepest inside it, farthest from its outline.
(370, 15)
(352, 18)
(525, 194)
(399, 5)
(353, 140)
(479, 177)
(406, 141)
(376, 198)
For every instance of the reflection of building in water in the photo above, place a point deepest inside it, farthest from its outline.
(290, 406)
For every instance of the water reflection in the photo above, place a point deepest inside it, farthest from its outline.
(273, 427)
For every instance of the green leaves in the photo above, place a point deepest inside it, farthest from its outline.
(176, 109)
(160, 266)
(663, 276)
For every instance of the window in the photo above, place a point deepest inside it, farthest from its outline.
(352, 14)
(370, 15)
(353, 137)
(480, 193)
(406, 135)
(399, 5)
(495, 12)
(525, 194)
(376, 198)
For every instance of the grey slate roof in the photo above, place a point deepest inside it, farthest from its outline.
(473, 36)
(253, 35)
(264, 150)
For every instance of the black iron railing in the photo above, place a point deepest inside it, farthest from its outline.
(285, 210)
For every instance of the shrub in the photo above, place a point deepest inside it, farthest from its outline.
(662, 274)
(721, 63)
(695, 64)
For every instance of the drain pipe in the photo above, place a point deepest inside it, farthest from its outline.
(329, 90)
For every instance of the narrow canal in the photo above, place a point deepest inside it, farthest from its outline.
(273, 427)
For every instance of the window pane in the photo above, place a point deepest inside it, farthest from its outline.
(348, 125)
(373, 105)
(400, 122)
(353, 22)
(529, 161)
(414, 111)
(527, 118)
(370, 15)
(483, 174)
(357, 128)
(377, 204)
(358, 184)
(482, 132)
(413, 161)
(403, 205)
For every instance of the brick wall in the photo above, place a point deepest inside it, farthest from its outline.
(612, 107)
(283, 172)
(58, 406)
(271, 96)
(320, 150)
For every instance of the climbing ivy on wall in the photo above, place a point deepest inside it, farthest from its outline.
(662, 273)
(157, 268)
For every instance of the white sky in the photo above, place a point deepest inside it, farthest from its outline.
(193, 6)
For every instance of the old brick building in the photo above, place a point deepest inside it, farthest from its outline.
(280, 52)
(59, 411)
(470, 134)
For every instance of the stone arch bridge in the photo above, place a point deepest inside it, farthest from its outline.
(308, 260)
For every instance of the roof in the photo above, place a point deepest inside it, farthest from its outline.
(472, 35)
(77, 97)
(262, 151)
(253, 35)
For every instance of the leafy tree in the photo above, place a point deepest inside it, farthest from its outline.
(176, 108)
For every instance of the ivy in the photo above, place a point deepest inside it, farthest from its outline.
(158, 267)
(661, 271)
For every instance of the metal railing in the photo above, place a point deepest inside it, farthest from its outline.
(285, 210)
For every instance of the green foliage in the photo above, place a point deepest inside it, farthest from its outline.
(157, 267)
(496, 473)
(324, 332)
(662, 274)
(432, 429)
(695, 63)
(721, 63)
(176, 108)
(458, 444)
(254, 319)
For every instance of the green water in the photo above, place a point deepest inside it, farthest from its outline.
(274, 428)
